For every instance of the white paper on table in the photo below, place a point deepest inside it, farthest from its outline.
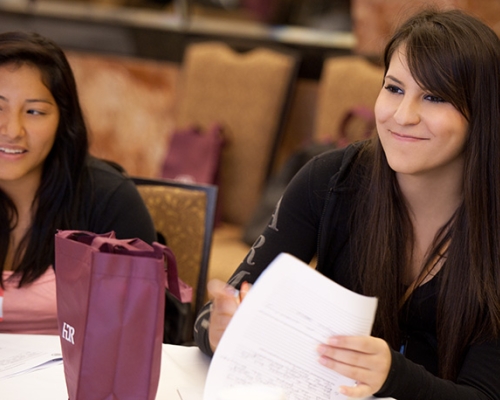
(15, 361)
(273, 337)
(183, 373)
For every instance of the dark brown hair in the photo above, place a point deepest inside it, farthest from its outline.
(456, 57)
(58, 196)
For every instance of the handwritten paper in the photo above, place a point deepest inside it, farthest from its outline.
(272, 339)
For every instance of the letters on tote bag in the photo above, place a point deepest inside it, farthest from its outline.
(110, 304)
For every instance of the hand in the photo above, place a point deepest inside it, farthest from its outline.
(365, 359)
(226, 300)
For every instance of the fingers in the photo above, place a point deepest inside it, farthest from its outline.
(245, 288)
(217, 288)
(220, 290)
(225, 298)
(225, 302)
(360, 390)
(366, 360)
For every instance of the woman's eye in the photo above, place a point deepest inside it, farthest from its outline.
(393, 89)
(35, 112)
(434, 99)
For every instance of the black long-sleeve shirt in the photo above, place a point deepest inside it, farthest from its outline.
(312, 219)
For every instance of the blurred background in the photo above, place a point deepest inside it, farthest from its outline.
(136, 89)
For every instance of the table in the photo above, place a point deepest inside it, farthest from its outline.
(183, 370)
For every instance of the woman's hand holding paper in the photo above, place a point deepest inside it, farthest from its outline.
(365, 359)
(225, 301)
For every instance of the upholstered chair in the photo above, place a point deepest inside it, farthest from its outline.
(345, 82)
(248, 93)
(183, 214)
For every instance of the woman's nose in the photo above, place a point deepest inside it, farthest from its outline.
(407, 112)
(11, 126)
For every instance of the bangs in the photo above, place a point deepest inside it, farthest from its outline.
(448, 56)
(437, 66)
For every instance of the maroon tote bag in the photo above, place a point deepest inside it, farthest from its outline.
(110, 305)
(194, 155)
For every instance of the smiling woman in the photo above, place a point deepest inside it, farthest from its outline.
(411, 217)
(28, 123)
(48, 180)
(422, 134)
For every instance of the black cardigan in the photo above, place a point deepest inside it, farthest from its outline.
(312, 219)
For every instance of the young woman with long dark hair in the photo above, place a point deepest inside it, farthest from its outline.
(411, 217)
(48, 180)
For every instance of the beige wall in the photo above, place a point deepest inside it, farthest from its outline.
(374, 20)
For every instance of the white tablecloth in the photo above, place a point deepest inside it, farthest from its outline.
(183, 370)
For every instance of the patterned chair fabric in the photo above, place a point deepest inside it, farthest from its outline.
(182, 215)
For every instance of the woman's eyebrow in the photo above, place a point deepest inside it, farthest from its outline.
(393, 79)
(30, 100)
(39, 101)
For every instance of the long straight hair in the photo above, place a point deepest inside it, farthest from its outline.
(457, 58)
(57, 199)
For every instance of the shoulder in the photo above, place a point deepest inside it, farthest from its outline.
(112, 202)
(104, 173)
(332, 169)
(312, 186)
(108, 182)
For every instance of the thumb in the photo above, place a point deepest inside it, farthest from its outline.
(218, 288)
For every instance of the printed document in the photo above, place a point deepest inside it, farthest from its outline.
(15, 360)
(272, 338)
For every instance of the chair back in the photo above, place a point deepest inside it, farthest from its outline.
(345, 82)
(248, 94)
(128, 104)
(184, 215)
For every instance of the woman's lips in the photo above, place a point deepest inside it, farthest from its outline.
(403, 137)
(12, 150)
